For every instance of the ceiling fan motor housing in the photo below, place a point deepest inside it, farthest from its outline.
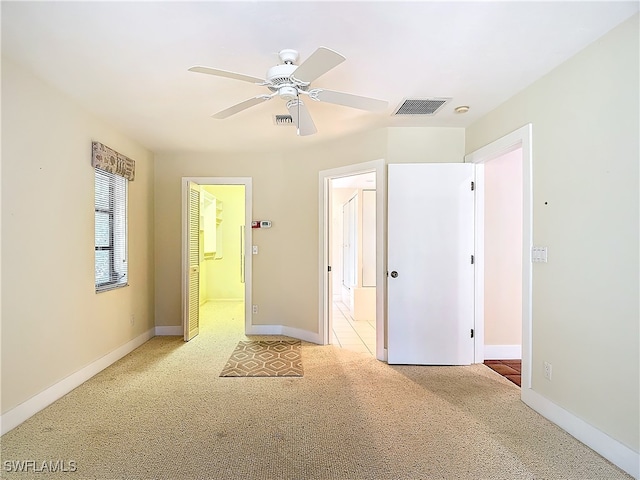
(279, 80)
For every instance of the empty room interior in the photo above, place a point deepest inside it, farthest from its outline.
(435, 207)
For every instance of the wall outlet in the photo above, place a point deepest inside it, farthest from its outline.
(547, 370)
(539, 254)
(255, 309)
(132, 319)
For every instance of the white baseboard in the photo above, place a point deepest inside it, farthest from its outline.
(502, 352)
(27, 409)
(611, 449)
(170, 330)
(284, 330)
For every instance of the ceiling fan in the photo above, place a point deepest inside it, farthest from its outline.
(290, 81)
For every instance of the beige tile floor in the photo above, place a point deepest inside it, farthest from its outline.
(350, 334)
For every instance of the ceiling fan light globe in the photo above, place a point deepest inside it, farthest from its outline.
(287, 93)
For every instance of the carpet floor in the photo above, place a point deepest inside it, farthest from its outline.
(163, 412)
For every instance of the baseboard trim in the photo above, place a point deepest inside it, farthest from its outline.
(284, 330)
(611, 449)
(169, 330)
(502, 352)
(24, 411)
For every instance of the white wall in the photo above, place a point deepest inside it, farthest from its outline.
(585, 117)
(503, 250)
(339, 197)
(53, 322)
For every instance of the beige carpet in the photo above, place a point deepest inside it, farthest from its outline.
(264, 358)
(163, 412)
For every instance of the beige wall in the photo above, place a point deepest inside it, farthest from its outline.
(425, 145)
(503, 250)
(53, 322)
(585, 117)
(285, 191)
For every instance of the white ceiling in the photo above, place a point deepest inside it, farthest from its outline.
(127, 61)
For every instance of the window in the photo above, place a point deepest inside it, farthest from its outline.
(110, 230)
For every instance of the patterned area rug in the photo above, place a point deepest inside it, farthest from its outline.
(265, 358)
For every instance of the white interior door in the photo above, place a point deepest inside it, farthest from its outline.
(431, 277)
(192, 314)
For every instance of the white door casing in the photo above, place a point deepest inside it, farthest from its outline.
(521, 138)
(246, 260)
(324, 215)
(430, 287)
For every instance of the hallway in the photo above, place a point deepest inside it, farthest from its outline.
(354, 335)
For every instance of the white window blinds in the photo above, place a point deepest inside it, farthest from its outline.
(110, 230)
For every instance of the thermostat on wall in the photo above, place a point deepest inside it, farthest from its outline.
(261, 224)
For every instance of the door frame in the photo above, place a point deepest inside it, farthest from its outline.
(520, 138)
(248, 195)
(324, 216)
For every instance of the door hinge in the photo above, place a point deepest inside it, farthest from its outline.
(472, 333)
(472, 259)
(473, 186)
(329, 268)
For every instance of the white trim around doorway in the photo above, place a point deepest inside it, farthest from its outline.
(248, 198)
(520, 138)
(324, 216)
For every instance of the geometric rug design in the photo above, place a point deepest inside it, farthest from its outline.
(265, 358)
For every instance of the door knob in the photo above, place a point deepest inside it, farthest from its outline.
(394, 274)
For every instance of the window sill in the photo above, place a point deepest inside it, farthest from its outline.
(107, 288)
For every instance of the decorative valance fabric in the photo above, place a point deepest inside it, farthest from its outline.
(111, 161)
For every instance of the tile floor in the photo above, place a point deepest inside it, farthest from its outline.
(350, 334)
(510, 369)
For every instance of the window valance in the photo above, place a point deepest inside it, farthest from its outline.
(109, 160)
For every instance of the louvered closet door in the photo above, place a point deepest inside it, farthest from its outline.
(193, 288)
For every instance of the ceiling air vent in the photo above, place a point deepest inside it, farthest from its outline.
(283, 120)
(420, 106)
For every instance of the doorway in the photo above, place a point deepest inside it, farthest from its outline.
(217, 275)
(353, 262)
(221, 252)
(520, 142)
(348, 288)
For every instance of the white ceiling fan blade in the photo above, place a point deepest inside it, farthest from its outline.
(348, 100)
(319, 63)
(241, 106)
(224, 73)
(301, 117)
